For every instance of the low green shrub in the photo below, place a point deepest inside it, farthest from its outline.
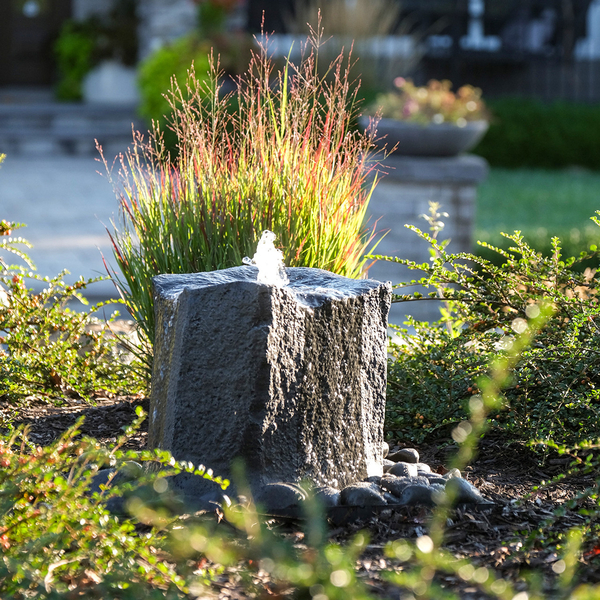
(573, 242)
(528, 133)
(171, 62)
(418, 563)
(58, 540)
(554, 392)
(286, 161)
(49, 350)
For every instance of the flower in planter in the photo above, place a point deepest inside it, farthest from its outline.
(428, 121)
(433, 103)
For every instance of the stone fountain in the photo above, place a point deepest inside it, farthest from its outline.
(286, 371)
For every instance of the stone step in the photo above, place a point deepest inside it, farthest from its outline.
(34, 124)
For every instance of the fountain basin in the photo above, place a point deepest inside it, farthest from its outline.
(289, 379)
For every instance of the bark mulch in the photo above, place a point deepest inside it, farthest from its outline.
(496, 538)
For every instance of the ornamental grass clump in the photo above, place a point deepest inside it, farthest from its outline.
(284, 159)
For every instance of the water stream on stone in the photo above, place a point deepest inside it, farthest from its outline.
(269, 260)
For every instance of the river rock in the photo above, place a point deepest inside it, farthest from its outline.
(374, 479)
(362, 494)
(438, 493)
(280, 496)
(434, 478)
(126, 472)
(423, 468)
(397, 485)
(102, 477)
(417, 495)
(211, 501)
(130, 470)
(390, 498)
(452, 473)
(328, 496)
(464, 492)
(403, 469)
(385, 449)
(289, 379)
(409, 455)
(387, 465)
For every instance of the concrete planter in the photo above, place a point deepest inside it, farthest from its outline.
(402, 196)
(414, 139)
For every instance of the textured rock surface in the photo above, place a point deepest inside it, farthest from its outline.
(362, 494)
(403, 469)
(409, 455)
(291, 379)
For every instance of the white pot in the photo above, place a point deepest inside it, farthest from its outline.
(111, 83)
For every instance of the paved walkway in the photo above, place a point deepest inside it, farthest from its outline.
(66, 203)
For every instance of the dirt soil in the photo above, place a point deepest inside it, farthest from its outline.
(494, 537)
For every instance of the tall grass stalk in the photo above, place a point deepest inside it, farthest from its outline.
(286, 159)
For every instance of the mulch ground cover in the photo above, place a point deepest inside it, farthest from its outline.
(495, 537)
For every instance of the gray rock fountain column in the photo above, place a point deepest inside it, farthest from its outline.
(290, 379)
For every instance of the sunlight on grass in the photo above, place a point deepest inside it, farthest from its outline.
(541, 204)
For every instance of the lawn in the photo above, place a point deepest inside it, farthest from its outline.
(541, 204)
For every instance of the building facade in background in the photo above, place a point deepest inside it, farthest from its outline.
(482, 41)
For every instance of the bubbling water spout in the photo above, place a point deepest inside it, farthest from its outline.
(269, 260)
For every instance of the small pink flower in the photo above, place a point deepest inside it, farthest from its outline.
(399, 82)
(409, 108)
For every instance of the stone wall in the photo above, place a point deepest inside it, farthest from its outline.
(402, 196)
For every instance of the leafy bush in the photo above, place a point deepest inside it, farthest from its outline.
(528, 133)
(573, 242)
(83, 44)
(73, 49)
(155, 73)
(554, 391)
(420, 561)
(287, 161)
(49, 350)
(58, 540)
(57, 537)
